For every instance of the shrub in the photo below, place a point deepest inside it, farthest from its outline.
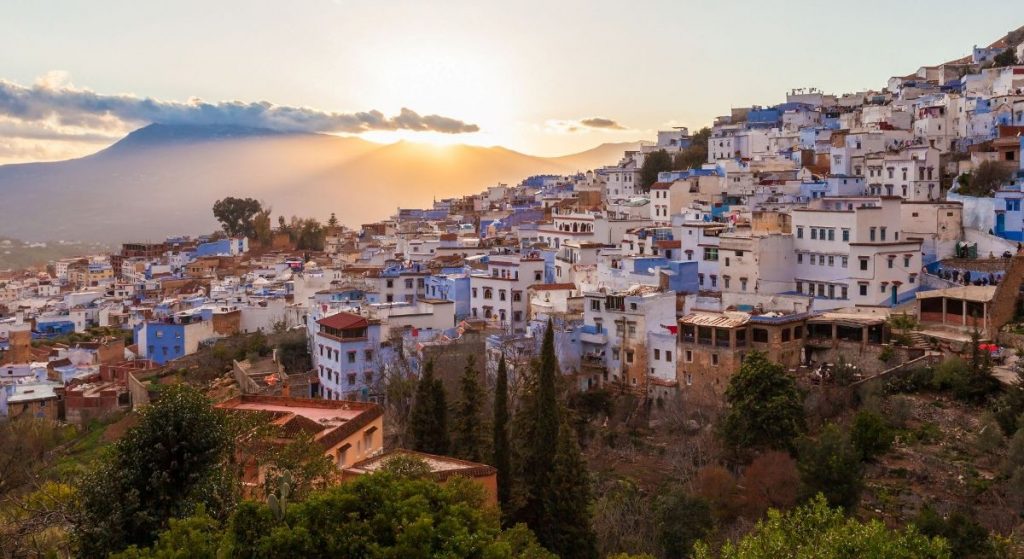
(870, 435)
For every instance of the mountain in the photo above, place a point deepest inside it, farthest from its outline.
(162, 180)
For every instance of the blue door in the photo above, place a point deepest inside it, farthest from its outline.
(1000, 223)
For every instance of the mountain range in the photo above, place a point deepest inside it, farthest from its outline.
(162, 180)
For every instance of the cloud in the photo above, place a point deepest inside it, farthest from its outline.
(52, 99)
(599, 122)
(583, 125)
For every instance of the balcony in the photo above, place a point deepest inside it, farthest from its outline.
(589, 334)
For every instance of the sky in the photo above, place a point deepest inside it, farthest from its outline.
(541, 77)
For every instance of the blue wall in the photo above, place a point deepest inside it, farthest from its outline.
(164, 342)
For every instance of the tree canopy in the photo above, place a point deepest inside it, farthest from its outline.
(765, 406)
(654, 163)
(383, 515)
(237, 215)
(163, 468)
(815, 530)
(694, 155)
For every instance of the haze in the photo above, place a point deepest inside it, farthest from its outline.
(544, 78)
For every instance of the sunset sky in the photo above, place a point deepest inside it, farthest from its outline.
(545, 78)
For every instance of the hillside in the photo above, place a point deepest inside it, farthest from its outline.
(162, 180)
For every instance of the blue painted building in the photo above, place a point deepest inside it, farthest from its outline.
(452, 284)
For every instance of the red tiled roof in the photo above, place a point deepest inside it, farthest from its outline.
(344, 321)
(668, 243)
(661, 185)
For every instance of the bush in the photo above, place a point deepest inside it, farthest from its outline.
(832, 466)
(870, 435)
(966, 537)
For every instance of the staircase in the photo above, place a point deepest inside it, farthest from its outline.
(1004, 302)
(920, 341)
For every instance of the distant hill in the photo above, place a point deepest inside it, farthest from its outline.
(161, 180)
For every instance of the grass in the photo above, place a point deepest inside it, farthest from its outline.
(82, 451)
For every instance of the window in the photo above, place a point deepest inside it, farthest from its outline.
(863, 290)
(629, 356)
(759, 335)
(846, 235)
(863, 262)
(743, 284)
(831, 234)
(351, 357)
(657, 353)
(474, 292)
(798, 332)
(799, 258)
(595, 304)
(844, 291)
(814, 233)
(844, 261)
(501, 294)
(688, 357)
(831, 260)
(714, 280)
(786, 333)
(814, 259)
(799, 287)
(668, 355)
(368, 354)
(351, 379)
(726, 279)
(710, 254)
(537, 276)
(517, 296)
(882, 233)
(714, 359)
(872, 236)
(800, 232)
(906, 261)
(891, 260)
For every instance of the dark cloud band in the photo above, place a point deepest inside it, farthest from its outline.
(599, 122)
(81, 107)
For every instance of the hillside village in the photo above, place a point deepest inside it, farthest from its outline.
(846, 237)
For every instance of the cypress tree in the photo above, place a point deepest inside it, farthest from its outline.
(428, 421)
(468, 422)
(501, 459)
(538, 438)
(569, 532)
(441, 441)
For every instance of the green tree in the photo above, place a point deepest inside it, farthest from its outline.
(236, 215)
(815, 530)
(870, 435)
(765, 407)
(501, 455)
(377, 516)
(261, 227)
(682, 520)
(468, 440)
(429, 421)
(1005, 58)
(832, 467)
(965, 536)
(538, 437)
(570, 532)
(694, 155)
(985, 179)
(195, 537)
(1010, 405)
(163, 468)
(554, 479)
(332, 221)
(654, 163)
